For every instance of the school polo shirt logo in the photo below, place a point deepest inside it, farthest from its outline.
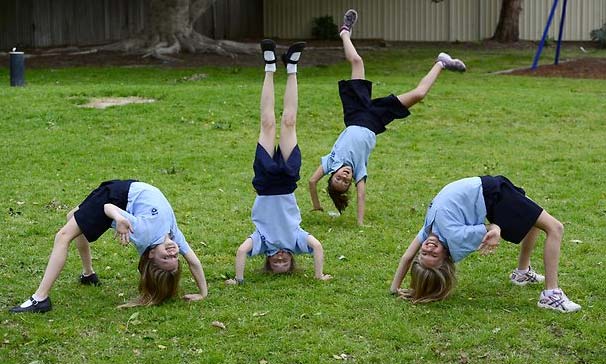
(154, 211)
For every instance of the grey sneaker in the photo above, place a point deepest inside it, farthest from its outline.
(349, 19)
(522, 279)
(451, 64)
(557, 301)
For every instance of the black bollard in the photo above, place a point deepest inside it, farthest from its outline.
(17, 68)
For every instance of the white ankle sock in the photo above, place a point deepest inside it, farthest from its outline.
(270, 67)
(28, 302)
(291, 68)
(523, 271)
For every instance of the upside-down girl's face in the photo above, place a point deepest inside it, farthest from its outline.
(341, 179)
(166, 255)
(280, 262)
(432, 252)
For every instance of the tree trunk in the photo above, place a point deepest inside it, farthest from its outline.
(508, 28)
(169, 29)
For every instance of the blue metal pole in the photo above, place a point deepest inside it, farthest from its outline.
(537, 55)
(557, 56)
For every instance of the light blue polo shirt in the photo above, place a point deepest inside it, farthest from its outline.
(352, 148)
(277, 221)
(456, 215)
(152, 218)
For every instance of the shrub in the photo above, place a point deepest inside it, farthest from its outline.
(599, 35)
(324, 27)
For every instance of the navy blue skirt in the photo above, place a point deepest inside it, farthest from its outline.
(508, 207)
(90, 216)
(359, 109)
(275, 176)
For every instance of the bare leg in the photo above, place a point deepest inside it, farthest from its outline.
(58, 257)
(417, 94)
(288, 130)
(357, 64)
(267, 135)
(83, 249)
(527, 244)
(551, 255)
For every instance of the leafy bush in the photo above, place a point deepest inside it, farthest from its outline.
(324, 27)
(599, 35)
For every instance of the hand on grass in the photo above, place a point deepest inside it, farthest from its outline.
(324, 277)
(194, 297)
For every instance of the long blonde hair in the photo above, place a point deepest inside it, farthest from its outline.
(156, 285)
(429, 284)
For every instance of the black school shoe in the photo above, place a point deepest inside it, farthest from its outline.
(36, 306)
(268, 45)
(287, 57)
(91, 280)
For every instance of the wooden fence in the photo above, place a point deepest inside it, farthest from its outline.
(56, 23)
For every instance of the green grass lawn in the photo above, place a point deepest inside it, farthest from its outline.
(196, 144)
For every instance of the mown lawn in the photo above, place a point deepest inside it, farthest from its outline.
(196, 143)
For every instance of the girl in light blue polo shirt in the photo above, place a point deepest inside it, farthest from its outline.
(275, 214)
(140, 214)
(364, 119)
(455, 226)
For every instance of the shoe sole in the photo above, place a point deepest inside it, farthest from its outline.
(542, 305)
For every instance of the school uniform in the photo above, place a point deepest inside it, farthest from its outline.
(144, 205)
(458, 212)
(364, 119)
(275, 212)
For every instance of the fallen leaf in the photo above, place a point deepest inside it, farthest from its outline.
(463, 359)
(259, 314)
(263, 361)
(218, 324)
(161, 347)
(496, 330)
(576, 241)
(342, 257)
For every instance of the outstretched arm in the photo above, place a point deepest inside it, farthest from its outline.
(404, 265)
(361, 191)
(123, 226)
(241, 254)
(195, 267)
(318, 258)
(313, 188)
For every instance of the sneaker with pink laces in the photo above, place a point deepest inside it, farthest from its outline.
(558, 301)
(529, 277)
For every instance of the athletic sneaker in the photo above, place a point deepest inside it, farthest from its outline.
(90, 280)
(451, 64)
(557, 301)
(349, 19)
(34, 306)
(522, 279)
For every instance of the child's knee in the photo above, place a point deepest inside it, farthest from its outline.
(289, 119)
(356, 61)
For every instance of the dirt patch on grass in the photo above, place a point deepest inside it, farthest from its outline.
(105, 102)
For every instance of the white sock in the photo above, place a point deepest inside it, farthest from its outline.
(291, 68)
(269, 56)
(28, 302)
(343, 31)
(549, 292)
(523, 271)
(441, 64)
(87, 275)
(270, 67)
